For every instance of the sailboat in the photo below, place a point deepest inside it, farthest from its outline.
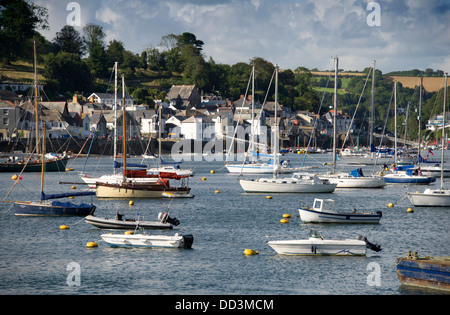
(427, 169)
(30, 162)
(298, 183)
(434, 197)
(45, 207)
(126, 187)
(115, 177)
(167, 167)
(256, 165)
(352, 179)
(404, 176)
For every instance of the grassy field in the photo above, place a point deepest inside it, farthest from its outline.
(22, 72)
(430, 84)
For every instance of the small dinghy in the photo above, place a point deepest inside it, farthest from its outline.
(317, 245)
(324, 211)
(120, 222)
(148, 241)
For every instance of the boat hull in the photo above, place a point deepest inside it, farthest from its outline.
(104, 190)
(427, 273)
(434, 172)
(429, 199)
(50, 166)
(172, 170)
(258, 186)
(148, 241)
(105, 223)
(47, 209)
(356, 182)
(115, 179)
(415, 180)
(367, 160)
(313, 216)
(258, 168)
(319, 247)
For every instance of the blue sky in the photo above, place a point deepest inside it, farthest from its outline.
(291, 33)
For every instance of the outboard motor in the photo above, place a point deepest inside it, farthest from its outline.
(188, 240)
(370, 245)
(163, 217)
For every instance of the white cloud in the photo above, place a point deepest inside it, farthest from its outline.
(413, 33)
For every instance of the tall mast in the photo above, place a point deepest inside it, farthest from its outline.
(443, 135)
(275, 144)
(395, 122)
(115, 115)
(252, 149)
(36, 99)
(159, 135)
(124, 131)
(336, 62)
(420, 119)
(372, 110)
(42, 161)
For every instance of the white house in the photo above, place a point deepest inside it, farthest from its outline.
(198, 128)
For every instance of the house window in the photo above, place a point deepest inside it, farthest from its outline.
(5, 112)
(5, 121)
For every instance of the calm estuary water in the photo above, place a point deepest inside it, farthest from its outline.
(36, 256)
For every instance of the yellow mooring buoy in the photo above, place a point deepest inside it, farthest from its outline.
(284, 221)
(217, 191)
(390, 205)
(250, 252)
(212, 171)
(129, 233)
(91, 245)
(131, 202)
(268, 197)
(63, 227)
(286, 216)
(409, 210)
(14, 177)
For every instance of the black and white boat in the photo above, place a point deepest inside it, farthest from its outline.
(324, 211)
(120, 222)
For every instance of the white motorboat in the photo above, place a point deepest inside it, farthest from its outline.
(324, 211)
(298, 183)
(317, 245)
(355, 179)
(148, 241)
(120, 222)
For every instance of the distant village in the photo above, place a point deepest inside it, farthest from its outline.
(186, 114)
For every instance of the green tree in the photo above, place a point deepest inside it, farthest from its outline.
(115, 51)
(19, 21)
(69, 40)
(68, 71)
(97, 60)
